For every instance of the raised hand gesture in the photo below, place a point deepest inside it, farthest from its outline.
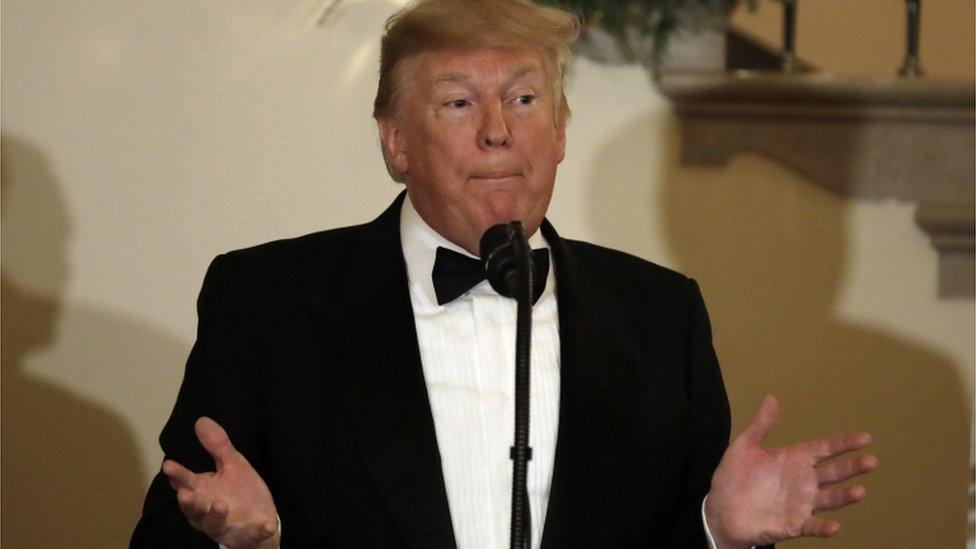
(761, 496)
(232, 505)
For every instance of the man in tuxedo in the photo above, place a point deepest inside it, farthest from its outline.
(345, 391)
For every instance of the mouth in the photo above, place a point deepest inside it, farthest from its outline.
(496, 176)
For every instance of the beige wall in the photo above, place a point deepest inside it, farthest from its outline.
(141, 139)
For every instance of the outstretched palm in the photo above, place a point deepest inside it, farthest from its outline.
(761, 496)
(232, 505)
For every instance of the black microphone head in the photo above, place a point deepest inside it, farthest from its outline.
(498, 257)
(496, 238)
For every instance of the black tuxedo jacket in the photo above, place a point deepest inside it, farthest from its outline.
(306, 353)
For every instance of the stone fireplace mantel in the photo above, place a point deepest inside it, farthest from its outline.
(866, 138)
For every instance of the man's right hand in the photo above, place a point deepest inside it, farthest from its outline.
(232, 505)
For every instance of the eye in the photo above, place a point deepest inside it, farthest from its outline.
(525, 99)
(459, 103)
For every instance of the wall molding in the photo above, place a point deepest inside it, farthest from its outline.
(864, 138)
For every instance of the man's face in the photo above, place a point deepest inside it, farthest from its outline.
(477, 140)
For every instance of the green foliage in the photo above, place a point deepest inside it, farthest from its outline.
(647, 24)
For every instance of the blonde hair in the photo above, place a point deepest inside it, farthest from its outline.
(445, 25)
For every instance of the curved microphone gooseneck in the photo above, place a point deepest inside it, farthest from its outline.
(507, 258)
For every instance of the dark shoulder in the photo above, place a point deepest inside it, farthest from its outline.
(290, 262)
(639, 288)
(623, 267)
(299, 248)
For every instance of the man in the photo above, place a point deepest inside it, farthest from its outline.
(339, 397)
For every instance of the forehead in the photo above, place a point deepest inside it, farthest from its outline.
(481, 66)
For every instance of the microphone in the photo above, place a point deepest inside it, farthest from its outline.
(510, 270)
(498, 255)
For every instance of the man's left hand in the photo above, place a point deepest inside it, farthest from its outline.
(761, 496)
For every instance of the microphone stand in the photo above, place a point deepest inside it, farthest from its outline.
(521, 453)
(508, 264)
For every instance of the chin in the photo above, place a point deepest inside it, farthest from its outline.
(530, 225)
(499, 218)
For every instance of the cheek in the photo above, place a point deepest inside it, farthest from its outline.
(447, 152)
(544, 157)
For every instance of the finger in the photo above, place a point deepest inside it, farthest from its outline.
(257, 532)
(192, 505)
(179, 476)
(766, 417)
(828, 500)
(214, 521)
(214, 440)
(835, 445)
(818, 527)
(839, 471)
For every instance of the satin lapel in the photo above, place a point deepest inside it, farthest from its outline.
(366, 328)
(596, 362)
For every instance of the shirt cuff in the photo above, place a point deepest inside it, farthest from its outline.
(708, 533)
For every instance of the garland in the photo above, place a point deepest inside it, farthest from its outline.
(642, 28)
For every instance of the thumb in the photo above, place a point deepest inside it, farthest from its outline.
(214, 440)
(766, 417)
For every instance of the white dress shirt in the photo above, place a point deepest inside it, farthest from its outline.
(467, 348)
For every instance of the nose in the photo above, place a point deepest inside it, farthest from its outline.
(494, 130)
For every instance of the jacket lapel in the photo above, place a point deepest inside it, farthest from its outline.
(366, 327)
(595, 365)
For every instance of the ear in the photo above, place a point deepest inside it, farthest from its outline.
(394, 145)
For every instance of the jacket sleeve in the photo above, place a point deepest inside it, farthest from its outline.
(221, 381)
(708, 424)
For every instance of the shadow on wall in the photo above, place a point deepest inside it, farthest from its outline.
(72, 473)
(769, 249)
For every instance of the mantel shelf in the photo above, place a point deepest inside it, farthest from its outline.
(866, 138)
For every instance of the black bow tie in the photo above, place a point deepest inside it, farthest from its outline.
(455, 273)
